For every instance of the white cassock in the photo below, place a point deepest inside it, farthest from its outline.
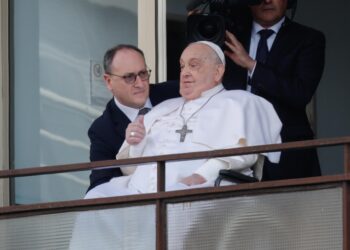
(219, 119)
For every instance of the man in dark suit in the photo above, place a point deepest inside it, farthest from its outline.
(127, 77)
(287, 76)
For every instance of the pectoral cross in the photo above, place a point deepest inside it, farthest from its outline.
(183, 132)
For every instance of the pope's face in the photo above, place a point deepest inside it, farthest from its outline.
(199, 71)
(269, 12)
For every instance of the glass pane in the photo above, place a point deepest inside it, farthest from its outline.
(176, 35)
(58, 87)
(117, 228)
(295, 220)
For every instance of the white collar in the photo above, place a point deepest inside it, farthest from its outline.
(131, 113)
(212, 91)
(276, 27)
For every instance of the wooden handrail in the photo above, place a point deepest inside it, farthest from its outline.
(178, 157)
(188, 194)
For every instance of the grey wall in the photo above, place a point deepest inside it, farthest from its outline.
(332, 97)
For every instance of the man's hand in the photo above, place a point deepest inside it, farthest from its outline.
(135, 131)
(193, 179)
(237, 52)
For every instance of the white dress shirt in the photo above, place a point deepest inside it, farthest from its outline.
(255, 38)
(131, 113)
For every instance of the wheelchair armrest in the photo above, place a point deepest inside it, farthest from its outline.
(233, 176)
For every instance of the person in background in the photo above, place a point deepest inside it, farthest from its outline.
(281, 61)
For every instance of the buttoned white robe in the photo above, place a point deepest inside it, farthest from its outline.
(230, 119)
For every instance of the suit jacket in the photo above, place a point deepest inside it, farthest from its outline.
(288, 80)
(107, 132)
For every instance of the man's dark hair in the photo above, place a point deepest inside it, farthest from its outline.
(109, 55)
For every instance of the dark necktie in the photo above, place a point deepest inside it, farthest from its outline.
(143, 111)
(263, 50)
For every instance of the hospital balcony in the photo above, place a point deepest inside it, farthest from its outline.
(306, 213)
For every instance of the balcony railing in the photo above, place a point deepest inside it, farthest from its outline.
(307, 213)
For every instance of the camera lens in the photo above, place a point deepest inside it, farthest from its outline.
(208, 29)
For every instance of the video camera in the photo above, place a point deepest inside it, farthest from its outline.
(216, 16)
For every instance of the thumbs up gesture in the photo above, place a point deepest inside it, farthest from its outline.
(135, 132)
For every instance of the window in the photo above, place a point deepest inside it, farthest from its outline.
(57, 86)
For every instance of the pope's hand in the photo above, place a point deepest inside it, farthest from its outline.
(135, 131)
(194, 179)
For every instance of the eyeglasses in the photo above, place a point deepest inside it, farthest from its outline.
(131, 77)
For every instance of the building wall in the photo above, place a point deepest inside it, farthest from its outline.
(4, 101)
(332, 100)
